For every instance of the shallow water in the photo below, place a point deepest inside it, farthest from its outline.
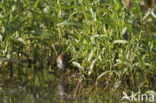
(36, 85)
(33, 85)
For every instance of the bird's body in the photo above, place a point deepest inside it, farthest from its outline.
(63, 61)
(60, 62)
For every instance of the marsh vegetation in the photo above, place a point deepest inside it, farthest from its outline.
(112, 46)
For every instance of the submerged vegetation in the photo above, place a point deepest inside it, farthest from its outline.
(110, 44)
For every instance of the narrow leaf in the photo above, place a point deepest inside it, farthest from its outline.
(91, 67)
(120, 41)
(78, 65)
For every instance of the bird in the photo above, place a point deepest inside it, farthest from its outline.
(63, 61)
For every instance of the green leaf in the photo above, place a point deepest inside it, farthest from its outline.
(90, 55)
(109, 71)
(146, 15)
(78, 65)
(68, 1)
(153, 14)
(124, 30)
(36, 3)
(91, 67)
(0, 37)
(120, 41)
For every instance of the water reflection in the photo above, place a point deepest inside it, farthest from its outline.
(63, 89)
(69, 91)
(40, 86)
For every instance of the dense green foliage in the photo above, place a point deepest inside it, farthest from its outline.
(105, 39)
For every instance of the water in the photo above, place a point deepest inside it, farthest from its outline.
(35, 85)
(38, 85)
